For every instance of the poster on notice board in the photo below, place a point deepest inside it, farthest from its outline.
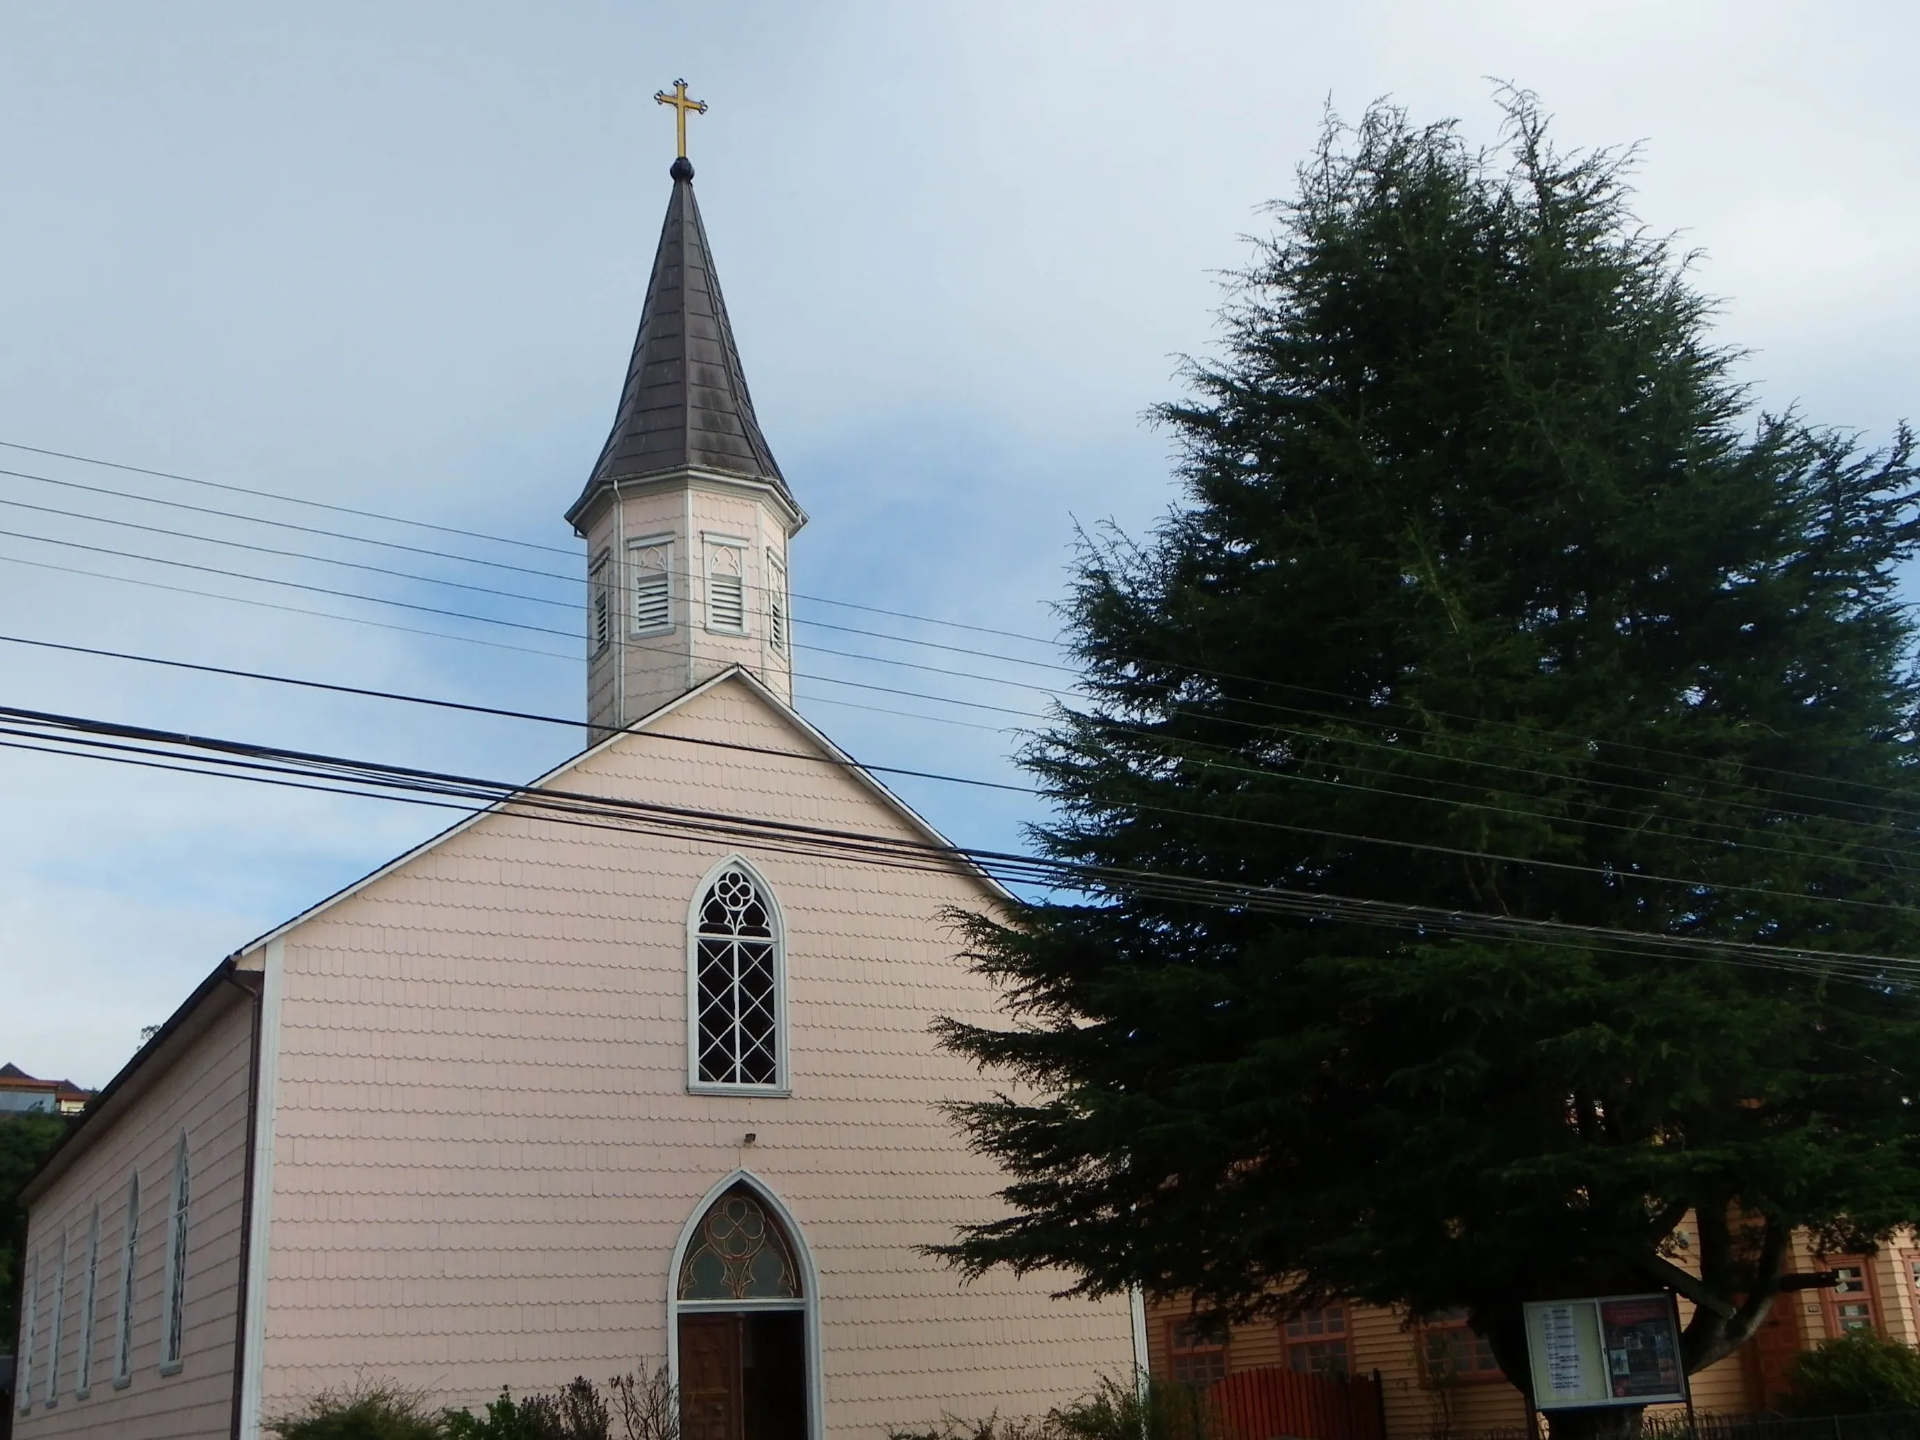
(1609, 1350)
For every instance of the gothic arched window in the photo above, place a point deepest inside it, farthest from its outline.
(735, 983)
(739, 1253)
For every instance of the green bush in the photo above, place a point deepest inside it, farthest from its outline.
(375, 1410)
(1856, 1374)
(1114, 1411)
(640, 1405)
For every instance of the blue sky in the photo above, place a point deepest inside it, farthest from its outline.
(391, 256)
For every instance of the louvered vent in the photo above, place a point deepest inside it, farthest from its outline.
(726, 602)
(602, 606)
(776, 605)
(653, 601)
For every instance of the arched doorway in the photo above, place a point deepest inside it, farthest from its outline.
(744, 1329)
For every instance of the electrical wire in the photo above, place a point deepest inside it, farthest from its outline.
(816, 623)
(1615, 875)
(1453, 802)
(1116, 881)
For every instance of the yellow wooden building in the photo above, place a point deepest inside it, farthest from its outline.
(1438, 1379)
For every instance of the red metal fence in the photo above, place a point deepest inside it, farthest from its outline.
(1267, 1403)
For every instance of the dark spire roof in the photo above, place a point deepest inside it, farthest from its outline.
(685, 402)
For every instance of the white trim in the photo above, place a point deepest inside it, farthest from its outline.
(689, 478)
(779, 609)
(57, 1326)
(712, 542)
(126, 1286)
(695, 604)
(1137, 1324)
(602, 627)
(173, 1299)
(29, 1321)
(260, 1233)
(89, 1310)
(758, 687)
(809, 1290)
(782, 1069)
(664, 540)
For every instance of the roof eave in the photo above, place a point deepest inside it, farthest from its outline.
(603, 487)
(166, 1045)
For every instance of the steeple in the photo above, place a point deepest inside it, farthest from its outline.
(685, 514)
(685, 403)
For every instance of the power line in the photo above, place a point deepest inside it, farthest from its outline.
(498, 712)
(1343, 718)
(816, 623)
(165, 747)
(288, 499)
(574, 579)
(1266, 773)
(286, 554)
(1615, 875)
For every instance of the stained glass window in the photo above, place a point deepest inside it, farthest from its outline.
(736, 983)
(739, 1254)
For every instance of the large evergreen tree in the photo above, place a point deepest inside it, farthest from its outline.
(1489, 594)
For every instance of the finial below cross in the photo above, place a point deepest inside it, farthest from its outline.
(681, 105)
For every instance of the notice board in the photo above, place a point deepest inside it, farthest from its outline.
(1608, 1350)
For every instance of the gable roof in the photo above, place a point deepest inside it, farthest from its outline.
(732, 674)
(226, 972)
(685, 403)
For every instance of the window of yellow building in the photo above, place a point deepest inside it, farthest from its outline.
(1316, 1342)
(1199, 1355)
(1451, 1351)
(1850, 1303)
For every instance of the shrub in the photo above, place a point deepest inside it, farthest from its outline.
(372, 1410)
(644, 1408)
(1853, 1375)
(1114, 1411)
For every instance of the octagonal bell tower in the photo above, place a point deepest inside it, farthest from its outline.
(686, 515)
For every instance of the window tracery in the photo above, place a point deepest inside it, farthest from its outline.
(739, 1253)
(736, 984)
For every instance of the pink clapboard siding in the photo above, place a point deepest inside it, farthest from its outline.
(485, 1147)
(198, 1083)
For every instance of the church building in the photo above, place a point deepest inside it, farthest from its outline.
(540, 1099)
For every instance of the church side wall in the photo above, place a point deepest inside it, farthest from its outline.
(204, 1092)
(486, 1149)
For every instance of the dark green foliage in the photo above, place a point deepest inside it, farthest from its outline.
(25, 1140)
(373, 1411)
(1856, 1374)
(1487, 594)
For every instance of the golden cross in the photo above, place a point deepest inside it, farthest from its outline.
(681, 104)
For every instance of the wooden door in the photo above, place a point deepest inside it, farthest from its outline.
(710, 1398)
(1771, 1351)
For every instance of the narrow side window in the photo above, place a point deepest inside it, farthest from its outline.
(89, 1294)
(173, 1326)
(129, 1252)
(57, 1321)
(650, 573)
(29, 1302)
